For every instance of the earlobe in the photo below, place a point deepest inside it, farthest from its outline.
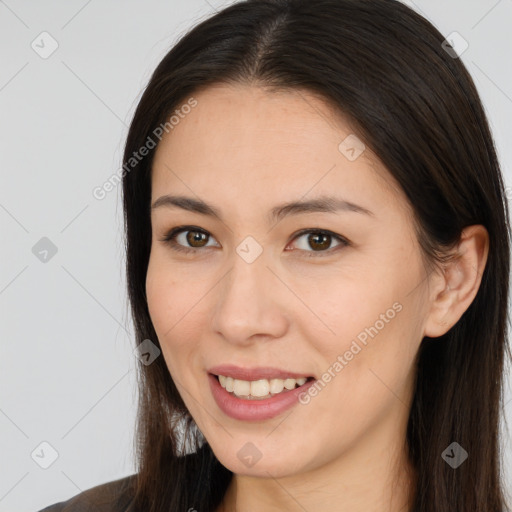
(459, 282)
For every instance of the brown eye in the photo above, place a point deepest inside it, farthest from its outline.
(320, 242)
(190, 239)
(187, 239)
(196, 237)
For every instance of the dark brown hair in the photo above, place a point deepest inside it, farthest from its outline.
(384, 67)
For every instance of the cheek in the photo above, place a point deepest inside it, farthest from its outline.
(168, 305)
(160, 293)
(367, 374)
(169, 298)
(343, 307)
(368, 335)
(177, 313)
(370, 303)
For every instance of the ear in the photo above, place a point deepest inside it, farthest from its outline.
(453, 291)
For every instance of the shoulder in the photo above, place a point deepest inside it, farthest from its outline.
(114, 496)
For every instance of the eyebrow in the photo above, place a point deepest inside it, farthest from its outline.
(329, 204)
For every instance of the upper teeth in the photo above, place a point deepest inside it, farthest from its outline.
(258, 388)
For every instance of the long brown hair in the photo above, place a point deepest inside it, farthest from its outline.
(415, 105)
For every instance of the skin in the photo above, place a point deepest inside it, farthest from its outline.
(245, 150)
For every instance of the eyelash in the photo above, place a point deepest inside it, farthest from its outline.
(173, 233)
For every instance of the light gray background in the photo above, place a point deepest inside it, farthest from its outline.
(67, 366)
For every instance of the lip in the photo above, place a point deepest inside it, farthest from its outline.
(251, 374)
(255, 410)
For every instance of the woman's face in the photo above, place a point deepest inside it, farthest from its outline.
(255, 293)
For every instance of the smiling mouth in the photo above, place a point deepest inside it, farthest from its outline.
(260, 389)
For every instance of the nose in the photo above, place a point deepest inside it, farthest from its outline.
(250, 303)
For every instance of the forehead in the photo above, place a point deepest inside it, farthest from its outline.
(231, 118)
(249, 142)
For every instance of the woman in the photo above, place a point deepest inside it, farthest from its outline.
(318, 263)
